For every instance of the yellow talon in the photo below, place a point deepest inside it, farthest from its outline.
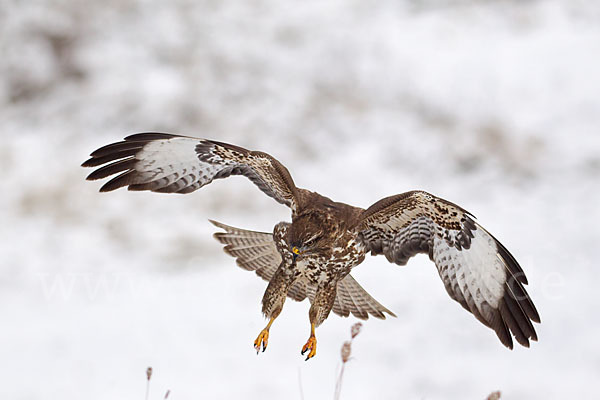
(311, 344)
(311, 347)
(262, 339)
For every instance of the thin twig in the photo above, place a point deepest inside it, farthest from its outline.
(345, 353)
(148, 377)
(300, 384)
(338, 384)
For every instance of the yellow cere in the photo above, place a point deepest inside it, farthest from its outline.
(295, 250)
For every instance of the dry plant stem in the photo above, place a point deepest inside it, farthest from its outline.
(345, 353)
(148, 377)
(338, 384)
(300, 384)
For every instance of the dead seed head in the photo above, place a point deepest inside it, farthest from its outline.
(494, 396)
(149, 373)
(355, 330)
(346, 351)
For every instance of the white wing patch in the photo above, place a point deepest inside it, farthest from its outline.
(171, 161)
(477, 271)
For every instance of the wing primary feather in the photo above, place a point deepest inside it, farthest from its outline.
(521, 320)
(150, 136)
(97, 161)
(522, 297)
(119, 181)
(112, 148)
(112, 168)
(510, 261)
(498, 324)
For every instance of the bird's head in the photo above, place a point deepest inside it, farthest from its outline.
(309, 234)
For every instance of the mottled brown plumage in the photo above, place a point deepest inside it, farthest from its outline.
(312, 256)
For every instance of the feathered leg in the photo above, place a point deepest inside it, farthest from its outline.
(272, 302)
(319, 310)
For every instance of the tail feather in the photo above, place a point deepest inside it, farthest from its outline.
(353, 298)
(254, 251)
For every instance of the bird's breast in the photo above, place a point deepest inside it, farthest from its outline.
(315, 270)
(320, 269)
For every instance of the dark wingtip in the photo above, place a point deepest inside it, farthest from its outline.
(105, 188)
(149, 136)
(534, 337)
(91, 177)
(117, 182)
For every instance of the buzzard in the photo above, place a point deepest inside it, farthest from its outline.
(312, 256)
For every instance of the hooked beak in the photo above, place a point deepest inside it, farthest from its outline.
(296, 252)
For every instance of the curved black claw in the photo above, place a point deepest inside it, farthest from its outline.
(311, 347)
(261, 340)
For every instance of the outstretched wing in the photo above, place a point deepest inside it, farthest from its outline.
(167, 163)
(256, 251)
(477, 270)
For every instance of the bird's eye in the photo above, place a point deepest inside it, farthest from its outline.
(310, 242)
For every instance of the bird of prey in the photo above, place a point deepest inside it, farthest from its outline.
(312, 256)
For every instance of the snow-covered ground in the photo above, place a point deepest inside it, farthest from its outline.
(493, 105)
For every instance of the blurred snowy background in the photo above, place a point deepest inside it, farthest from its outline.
(494, 105)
